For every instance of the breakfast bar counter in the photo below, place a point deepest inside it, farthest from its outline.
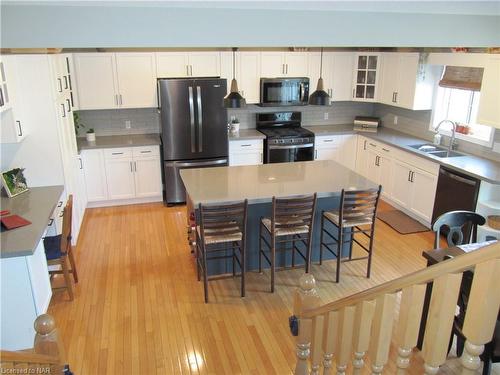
(259, 184)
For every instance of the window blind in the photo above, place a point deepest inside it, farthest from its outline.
(460, 77)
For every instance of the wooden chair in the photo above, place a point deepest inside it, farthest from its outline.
(58, 251)
(222, 228)
(291, 223)
(462, 229)
(356, 214)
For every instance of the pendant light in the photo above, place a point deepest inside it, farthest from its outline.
(320, 97)
(234, 99)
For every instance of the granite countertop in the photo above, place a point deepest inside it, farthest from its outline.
(112, 141)
(230, 184)
(36, 205)
(245, 134)
(483, 169)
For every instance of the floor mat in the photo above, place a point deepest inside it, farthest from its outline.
(401, 222)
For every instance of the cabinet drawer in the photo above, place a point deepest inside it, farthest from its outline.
(117, 153)
(145, 151)
(328, 141)
(419, 162)
(244, 145)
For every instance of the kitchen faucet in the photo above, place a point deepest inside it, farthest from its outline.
(453, 132)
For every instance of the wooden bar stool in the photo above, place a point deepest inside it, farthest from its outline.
(356, 213)
(222, 228)
(58, 251)
(291, 223)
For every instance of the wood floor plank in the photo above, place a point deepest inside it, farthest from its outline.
(139, 309)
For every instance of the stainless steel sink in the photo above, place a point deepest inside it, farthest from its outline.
(434, 150)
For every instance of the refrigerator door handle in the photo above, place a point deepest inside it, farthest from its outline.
(191, 119)
(200, 119)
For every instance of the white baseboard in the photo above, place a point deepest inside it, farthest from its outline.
(123, 202)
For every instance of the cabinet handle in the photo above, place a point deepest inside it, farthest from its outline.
(65, 82)
(51, 221)
(364, 145)
(135, 166)
(117, 153)
(261, 157)
(72, 101)
(187, 70)
(409, 176)
(61, 214)
(67, 67)
(386, 150)
(60, 84)
(131, 168)
(412, 175)
(81, 164)
(353, 90)
(395, 97)
(120, 96)
(69, 105)
(246, 145)
(377, 161)
(116, 99)
(315, 154)
(70, 85)
(327, 140)
(59, 204)
(286, 68)
(20, 134)
(191, 67)
(145, 152)
(373, 145)
(63, 110)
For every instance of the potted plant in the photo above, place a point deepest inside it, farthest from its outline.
(90, 135)
(77, 122)
(235, 125)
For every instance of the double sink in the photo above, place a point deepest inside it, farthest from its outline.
(434, 150)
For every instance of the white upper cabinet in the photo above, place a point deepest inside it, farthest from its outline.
(365, 80)
(249, 82)
(136, 80)
(284, 64)
(96, 82)
(188, 64)
(406, 81)
(121, 80)
(489, 100)
(342, 76)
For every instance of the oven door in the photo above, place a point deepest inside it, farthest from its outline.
(276, 92)
(289, 153)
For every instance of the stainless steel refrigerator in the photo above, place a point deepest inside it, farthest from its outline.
(193, 129)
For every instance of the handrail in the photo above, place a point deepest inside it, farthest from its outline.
(457, 264)
(27, 357)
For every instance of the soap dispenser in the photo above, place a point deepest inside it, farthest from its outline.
(437, 139)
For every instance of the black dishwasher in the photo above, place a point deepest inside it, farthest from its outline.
(455, 191)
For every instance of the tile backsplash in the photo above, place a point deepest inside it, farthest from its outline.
(337, 113)
(112, 121)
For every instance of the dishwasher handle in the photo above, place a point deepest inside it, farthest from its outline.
(465, 180)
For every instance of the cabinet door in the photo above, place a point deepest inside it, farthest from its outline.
(95, 175)
(372, 169)
(204, 64)
(296, 64)
(365, 77)
(172, 64)
(386, 179)
(80, 199)
(248, 73)
(39, 277)
(389, 78)
(489, 101)
(348, 151)
(407, 80)
(147, 177)
(341, 76)
(401, 183)
(327, 154)
(245, 158)
(361, 155)
(272, 64)
(96, 80)
(136, 80)
(120, 178)
(423, 193)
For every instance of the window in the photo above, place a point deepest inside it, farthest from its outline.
(461, 106)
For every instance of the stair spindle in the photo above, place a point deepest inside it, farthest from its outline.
(362, 330)
(344, 343)
(317, 347)
(330, 341)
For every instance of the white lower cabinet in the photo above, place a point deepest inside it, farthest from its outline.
(126, 173)
(246, 152)
(340, 148)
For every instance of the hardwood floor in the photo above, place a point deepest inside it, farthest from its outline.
(139, 309)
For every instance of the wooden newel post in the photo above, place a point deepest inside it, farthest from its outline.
(47, 340)
(306, 297)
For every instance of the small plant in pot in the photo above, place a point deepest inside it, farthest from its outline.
(90, 135)
(78, 124)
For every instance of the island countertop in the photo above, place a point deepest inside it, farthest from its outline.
(259, 183)
(36, 205)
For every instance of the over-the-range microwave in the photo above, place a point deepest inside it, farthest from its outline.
(284, 91)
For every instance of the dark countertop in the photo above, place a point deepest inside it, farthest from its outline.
(112, 141)
(36, 205)
(245, 134)
(484, 169)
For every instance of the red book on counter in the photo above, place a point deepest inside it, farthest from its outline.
(14, 221)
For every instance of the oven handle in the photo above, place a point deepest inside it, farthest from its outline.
(306, 145)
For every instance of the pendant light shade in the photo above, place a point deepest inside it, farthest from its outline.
(234, 99)
(320, 97)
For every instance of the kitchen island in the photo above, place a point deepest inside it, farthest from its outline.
(259, 183)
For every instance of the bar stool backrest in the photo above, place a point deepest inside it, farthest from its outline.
(66, 225)
(223, 220)
(458, 222)
(359, 205)
(293, 213)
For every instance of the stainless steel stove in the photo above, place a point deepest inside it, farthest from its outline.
(286, 140)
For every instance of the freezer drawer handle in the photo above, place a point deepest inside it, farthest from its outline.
(200, 164)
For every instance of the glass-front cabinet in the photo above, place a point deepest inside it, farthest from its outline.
(365, 77)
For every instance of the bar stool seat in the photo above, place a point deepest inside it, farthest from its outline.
(284, 231)
(215, 236)
(347, 223)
